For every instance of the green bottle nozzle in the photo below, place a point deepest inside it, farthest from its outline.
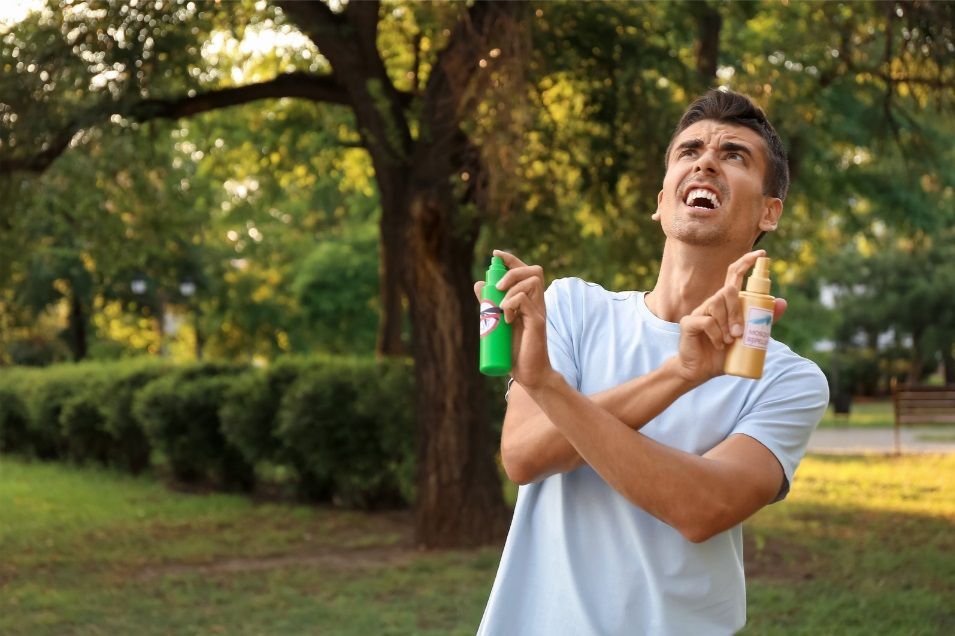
(495, 333)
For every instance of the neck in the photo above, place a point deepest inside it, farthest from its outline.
(688, 276)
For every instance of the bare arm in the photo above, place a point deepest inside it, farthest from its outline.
(532, 448)
(699, 496)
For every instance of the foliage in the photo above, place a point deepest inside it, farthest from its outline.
(346, 440)
(180, 414)
(237, 199)
(14, 422)
(342, 427)
(337, 289)
(45, 394)
(129, 447)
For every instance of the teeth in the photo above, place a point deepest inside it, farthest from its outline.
(701, 193)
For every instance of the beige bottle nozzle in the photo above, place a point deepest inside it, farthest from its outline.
(758, 282)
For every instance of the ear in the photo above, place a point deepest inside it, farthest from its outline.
(771, 213)
(656, 215)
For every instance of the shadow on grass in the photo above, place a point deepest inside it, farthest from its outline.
(826, 569)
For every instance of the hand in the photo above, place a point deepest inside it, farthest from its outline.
(525, 311)
(705, 333)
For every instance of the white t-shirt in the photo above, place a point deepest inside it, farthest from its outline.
(580, 559)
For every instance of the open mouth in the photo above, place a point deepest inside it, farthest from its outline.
(702, 199)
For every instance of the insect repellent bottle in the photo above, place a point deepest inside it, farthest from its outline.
(748, 352)
(495, 333)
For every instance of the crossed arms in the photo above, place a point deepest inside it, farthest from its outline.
(558, 429)
(550, 428)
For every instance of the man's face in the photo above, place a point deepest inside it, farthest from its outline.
(713, 189)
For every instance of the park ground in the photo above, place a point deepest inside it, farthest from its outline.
(864, 544)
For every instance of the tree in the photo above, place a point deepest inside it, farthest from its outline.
(417, 145)
(860, 100)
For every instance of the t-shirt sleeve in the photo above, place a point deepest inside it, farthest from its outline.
(559, 302)
(785, 413)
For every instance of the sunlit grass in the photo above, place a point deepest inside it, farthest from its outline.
(862, 545)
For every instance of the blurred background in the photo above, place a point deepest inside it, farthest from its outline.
(237, 243)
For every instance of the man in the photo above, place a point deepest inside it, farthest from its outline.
(628, 518)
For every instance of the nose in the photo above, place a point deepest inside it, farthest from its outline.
(706, 162)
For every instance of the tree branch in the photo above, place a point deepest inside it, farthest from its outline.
(348, 41)
(453, 85)
(317, 88)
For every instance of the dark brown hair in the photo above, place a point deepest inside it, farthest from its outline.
(738, 109)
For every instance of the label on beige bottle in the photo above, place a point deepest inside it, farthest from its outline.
(759, 322)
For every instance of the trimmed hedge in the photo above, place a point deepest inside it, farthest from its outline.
(131, 448)
(339, 429)
(76, 411)
(250, 407)
(347, 427)
(180, 415)
(14, 422)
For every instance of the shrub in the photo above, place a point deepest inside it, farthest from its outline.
(81, 423)
(249, 409)
(180, 415)
(347, 428)
(14, 424)
(46, 393)
(131, 448)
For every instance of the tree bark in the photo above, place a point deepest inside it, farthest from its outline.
(709, 23)
(948, 364)
(459, 496)
(76, 328)
(390, 320)
(918, 359)
(429, 248)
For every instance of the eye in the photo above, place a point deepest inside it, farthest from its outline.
(734, 156)
(686, 152)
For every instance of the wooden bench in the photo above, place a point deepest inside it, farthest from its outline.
(922, 405)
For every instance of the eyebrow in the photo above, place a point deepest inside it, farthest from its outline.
(729, 146)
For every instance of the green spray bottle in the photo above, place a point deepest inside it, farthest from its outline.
(495, 333)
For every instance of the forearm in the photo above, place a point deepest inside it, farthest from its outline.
(534, 448)
(684, 490)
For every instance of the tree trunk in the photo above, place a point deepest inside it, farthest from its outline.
(391, 248)
(948, 364)
(918, 359)
(459, 493)
(77, 328)
(709, 23)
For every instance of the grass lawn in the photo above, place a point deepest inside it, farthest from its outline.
(876, 414)
(863, 545)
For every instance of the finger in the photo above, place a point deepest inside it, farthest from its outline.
(734, 311)
(779, 309)
(737, 270)
(513, 306)
(533, 287)
(717, 308)
(695, 325)
(520, 305)
(509, 259)
(713, 332)
(479, 290)
(513, 276)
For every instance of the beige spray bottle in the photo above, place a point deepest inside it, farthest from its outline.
(748, 352)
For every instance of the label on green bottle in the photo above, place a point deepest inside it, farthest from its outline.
(491, 317)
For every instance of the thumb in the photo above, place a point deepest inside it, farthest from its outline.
(479, 289)
(779, 309)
